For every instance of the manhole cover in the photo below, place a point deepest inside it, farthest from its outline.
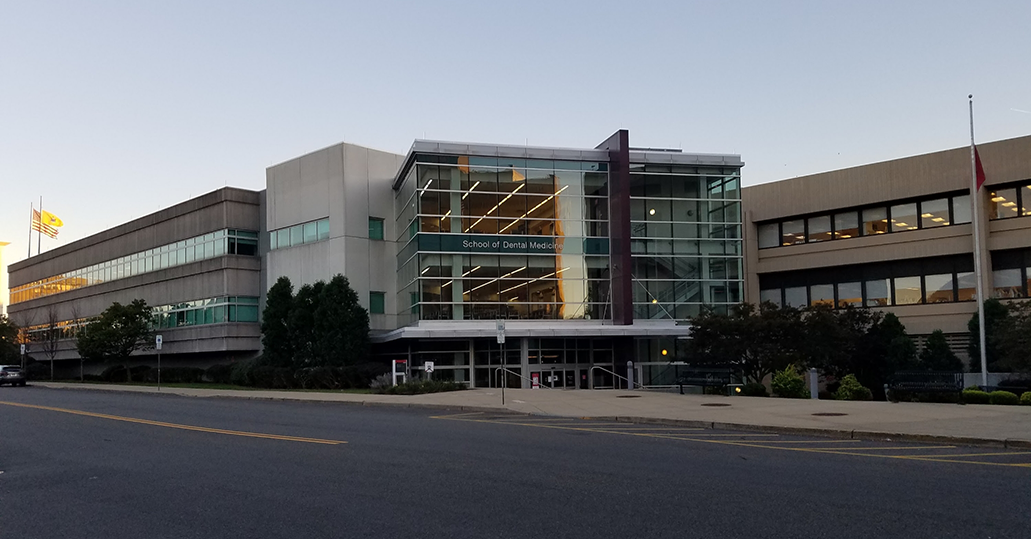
(715, 404)
(628, 396)
(829, 414)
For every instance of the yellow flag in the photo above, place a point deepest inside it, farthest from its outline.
(51, 219)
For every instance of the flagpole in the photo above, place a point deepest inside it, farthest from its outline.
(39, 235)
(975, 198)
(31, 209)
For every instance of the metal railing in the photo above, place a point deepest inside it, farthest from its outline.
(497, 374)
(625, 379)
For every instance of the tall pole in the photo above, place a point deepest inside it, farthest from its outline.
(31, 216)
(39, 235)
(975, 198)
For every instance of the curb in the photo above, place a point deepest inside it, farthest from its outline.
(1007, 443)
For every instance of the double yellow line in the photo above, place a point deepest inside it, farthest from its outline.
(178, 426)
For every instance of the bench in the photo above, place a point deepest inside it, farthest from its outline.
(704, 377)
(924, 382)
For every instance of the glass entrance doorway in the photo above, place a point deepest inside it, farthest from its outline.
(562, 377)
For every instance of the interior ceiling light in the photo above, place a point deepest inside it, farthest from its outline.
(471, 189)
(496, 206)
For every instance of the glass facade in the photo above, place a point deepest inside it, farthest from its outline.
(1006, 202)
(685, 240)
(309, 232)
(937, 211)
(487, 238)
(211, 245)
(490, 237)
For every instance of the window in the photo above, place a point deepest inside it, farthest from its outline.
(961, 210)
(966, 286)
(1003, 203)
(323, 229)
(822, 294)
(939, 288)
(769, 235)
(377, 300)
(846, 225)
(795, 297)
(772, 296)
(792, 232)
(850, 294)
(375, 228)
(1008, 283)
(934, 213)
(875, 221)
(820, 228)
(903, 217)
(877, 293)
(908, 291)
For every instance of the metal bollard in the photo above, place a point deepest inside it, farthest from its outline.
(814, 384)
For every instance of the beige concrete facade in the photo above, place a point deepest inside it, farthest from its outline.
(220, 276)
(1006, 162)
(349, 184)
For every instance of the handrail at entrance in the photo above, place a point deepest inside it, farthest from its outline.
(638, 384)
(510, 371)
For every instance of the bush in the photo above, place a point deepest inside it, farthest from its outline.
(1025, 399)
(754, 389)
(219, 374)
(1003, 397)
(241, 373)
(381, 382)
(789, 384)
(851, 390)
(92, 378)
(975, 396)
(423, 386)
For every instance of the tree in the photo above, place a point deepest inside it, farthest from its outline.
(118, 332)
(10, 351)
(1013, 339)
(341, 324)
(275, 324)
(755, 340)
(301, 322)
(937, 356)
(995, 314)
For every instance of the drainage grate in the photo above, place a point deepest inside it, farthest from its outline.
(715, 404)
(829, 414)
(628, 396)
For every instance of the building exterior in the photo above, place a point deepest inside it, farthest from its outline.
(197, 263)
(592, 257)
(896, 236)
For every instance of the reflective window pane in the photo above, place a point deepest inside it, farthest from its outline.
(769, 235)
(1002, 203)
(846, 225)
(850, 294)
(875, 221)
(966, 286)
(820, 228)
(903, 217)
(1025, 199)
(796, 297)
(1008, 283)
(792, 232)
(878, 293)
(822, 294)
(939, 288)
(908, 291)
(771, 295)
(934, 213)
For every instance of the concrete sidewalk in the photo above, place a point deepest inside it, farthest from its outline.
(1008, 426)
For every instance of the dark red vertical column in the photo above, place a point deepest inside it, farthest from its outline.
(618, 147)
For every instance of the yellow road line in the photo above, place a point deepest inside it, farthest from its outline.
(984, 454)
(825, 451)
(178, 426)
(902, 448)
(844, 441)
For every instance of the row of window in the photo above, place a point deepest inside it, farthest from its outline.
(206, 311)
(911, 290)
(211, 245)
(1009, 202)
(301, 234)
(929, 213)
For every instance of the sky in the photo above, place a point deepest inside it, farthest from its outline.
(110, 110)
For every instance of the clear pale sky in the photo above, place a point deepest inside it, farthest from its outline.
(110, 110)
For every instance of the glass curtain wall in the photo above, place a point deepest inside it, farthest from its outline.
(487, 238)
(685, 240)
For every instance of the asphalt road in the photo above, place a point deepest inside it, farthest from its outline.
(77, 463)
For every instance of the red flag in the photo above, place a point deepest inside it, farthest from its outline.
(38, 224)
(979, 169)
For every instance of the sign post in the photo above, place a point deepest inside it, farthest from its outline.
(501, 341)
(24, 349)
(158, 339)
(428, 366)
